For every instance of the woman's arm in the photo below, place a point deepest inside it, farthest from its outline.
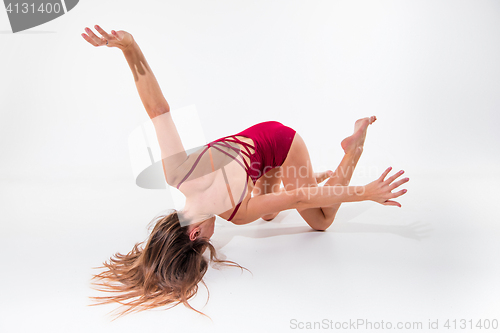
(300, 198)
(149, 90)
(150, 93)
(379, 191)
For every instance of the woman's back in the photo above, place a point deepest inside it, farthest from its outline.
(214, 178)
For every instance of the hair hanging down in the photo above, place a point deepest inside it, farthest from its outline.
(164, 272)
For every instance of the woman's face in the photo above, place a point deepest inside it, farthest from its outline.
(207, 227)
(203, 229)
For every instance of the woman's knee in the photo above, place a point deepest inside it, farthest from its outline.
(269, 217)
(321, 223)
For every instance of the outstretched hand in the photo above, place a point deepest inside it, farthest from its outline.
(120, 39)
(380, 190)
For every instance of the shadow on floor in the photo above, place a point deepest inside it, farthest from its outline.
(262, 229)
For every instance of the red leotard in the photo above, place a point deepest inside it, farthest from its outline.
(272, 142)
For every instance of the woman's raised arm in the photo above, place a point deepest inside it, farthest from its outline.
(149, 91)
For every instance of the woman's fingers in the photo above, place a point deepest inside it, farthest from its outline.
(120, 39)
(386, 172)
(386, 187)
(394, 177)
(88, 39)
(399, 193)
(92, 38)
(392, 203)
(398, 183)
(116, 35)
(97, 40)
(102, 32)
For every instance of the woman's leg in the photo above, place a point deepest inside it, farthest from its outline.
(270, 182)
(297, 172)
(353, 147)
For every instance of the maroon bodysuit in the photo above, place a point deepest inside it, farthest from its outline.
(272, 142)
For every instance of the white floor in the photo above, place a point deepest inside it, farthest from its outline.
(437, 258)
(427, 69)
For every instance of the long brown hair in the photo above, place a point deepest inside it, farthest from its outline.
(164, 272)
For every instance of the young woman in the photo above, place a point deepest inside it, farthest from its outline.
(237, 178)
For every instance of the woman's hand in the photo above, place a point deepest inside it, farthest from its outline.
(120, 39)
(381, 190)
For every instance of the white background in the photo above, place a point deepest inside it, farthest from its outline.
(428, 70)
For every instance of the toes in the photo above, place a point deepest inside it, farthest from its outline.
(321, 176)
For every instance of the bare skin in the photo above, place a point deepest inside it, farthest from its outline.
(318, 205)
(204, 229)
(353, 147)
(356, 141)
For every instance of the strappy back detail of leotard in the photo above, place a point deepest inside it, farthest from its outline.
(219, 144)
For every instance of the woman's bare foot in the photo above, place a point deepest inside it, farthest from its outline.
(354, 143)
(321, 176)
